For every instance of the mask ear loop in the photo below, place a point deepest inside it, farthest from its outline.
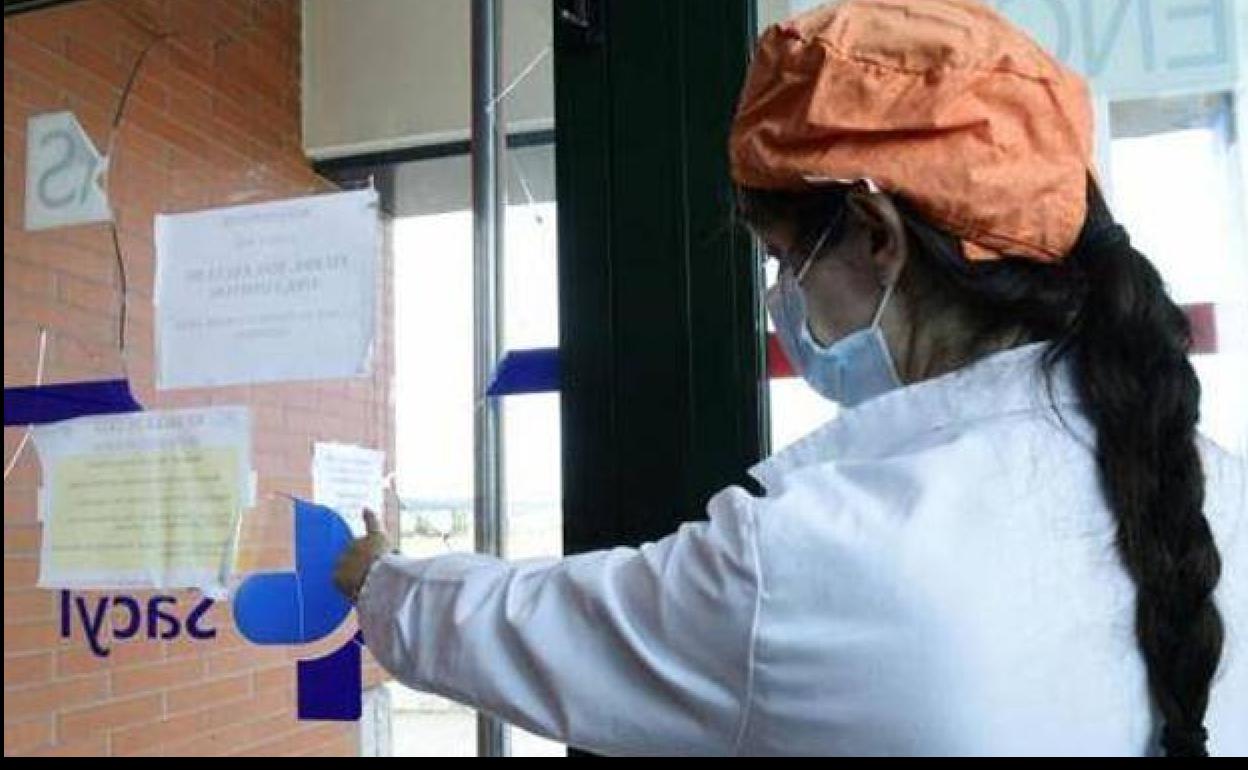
(810, 258)
(801, 272)
(879, 310)
(875, 326)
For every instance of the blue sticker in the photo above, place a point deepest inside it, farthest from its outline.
(304, 605)
(329, 687)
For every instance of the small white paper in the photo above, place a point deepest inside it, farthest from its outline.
(348, 479)
(267, 292)
(64, 174)
(144, 500)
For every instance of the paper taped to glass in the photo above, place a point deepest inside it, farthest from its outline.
(348, 479)
(269, 292)
(145, 500)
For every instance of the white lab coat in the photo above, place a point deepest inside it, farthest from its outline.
(933, 572)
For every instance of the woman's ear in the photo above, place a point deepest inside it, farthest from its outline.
(886, 232)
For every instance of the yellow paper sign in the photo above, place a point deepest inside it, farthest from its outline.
(147, 500)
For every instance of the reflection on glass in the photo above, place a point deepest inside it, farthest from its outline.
(433, 442)
(531, 429)
(1173, 187)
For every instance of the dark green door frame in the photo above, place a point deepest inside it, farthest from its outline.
(660, 319)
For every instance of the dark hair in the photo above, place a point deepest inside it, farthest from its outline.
(1105, 309)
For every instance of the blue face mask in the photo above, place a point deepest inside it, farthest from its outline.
(851, 370)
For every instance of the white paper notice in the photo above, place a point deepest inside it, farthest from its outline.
(348, 479)
(268, 292)
(144, 500)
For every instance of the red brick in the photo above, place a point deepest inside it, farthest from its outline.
(58, 317)
(25, 670)
(279, 677)
(105, 716)
(227, 740)
(96, 63)
(46, 699)
(181, 727)
(93, 745)
(34, 604)
(25, 55)
(21, 540)
(24, 737)
(19, 573)
(159, 676)
(200, 695)
(293, 742)
(32, 278)
(79, 659)
(30, 636)
(46, 30)
(94, 264)
(208, 122)
(101, 298)
(248, 658)
(122, 23)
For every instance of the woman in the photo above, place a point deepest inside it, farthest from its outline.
(1012, 539)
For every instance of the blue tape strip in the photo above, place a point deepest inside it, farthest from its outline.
(526, 371)
(37, 405)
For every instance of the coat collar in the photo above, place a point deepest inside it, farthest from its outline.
(1005, 383)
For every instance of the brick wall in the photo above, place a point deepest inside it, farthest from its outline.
(213, 119)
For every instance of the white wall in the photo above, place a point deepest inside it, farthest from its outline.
(384, 74)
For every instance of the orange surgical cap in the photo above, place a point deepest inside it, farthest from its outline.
(942, 102)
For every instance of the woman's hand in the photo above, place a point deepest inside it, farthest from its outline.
(355, 562)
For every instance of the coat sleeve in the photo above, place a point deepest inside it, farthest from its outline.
(621, 651)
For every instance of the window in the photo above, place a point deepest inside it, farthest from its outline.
(434, 317)
(1174, 187)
